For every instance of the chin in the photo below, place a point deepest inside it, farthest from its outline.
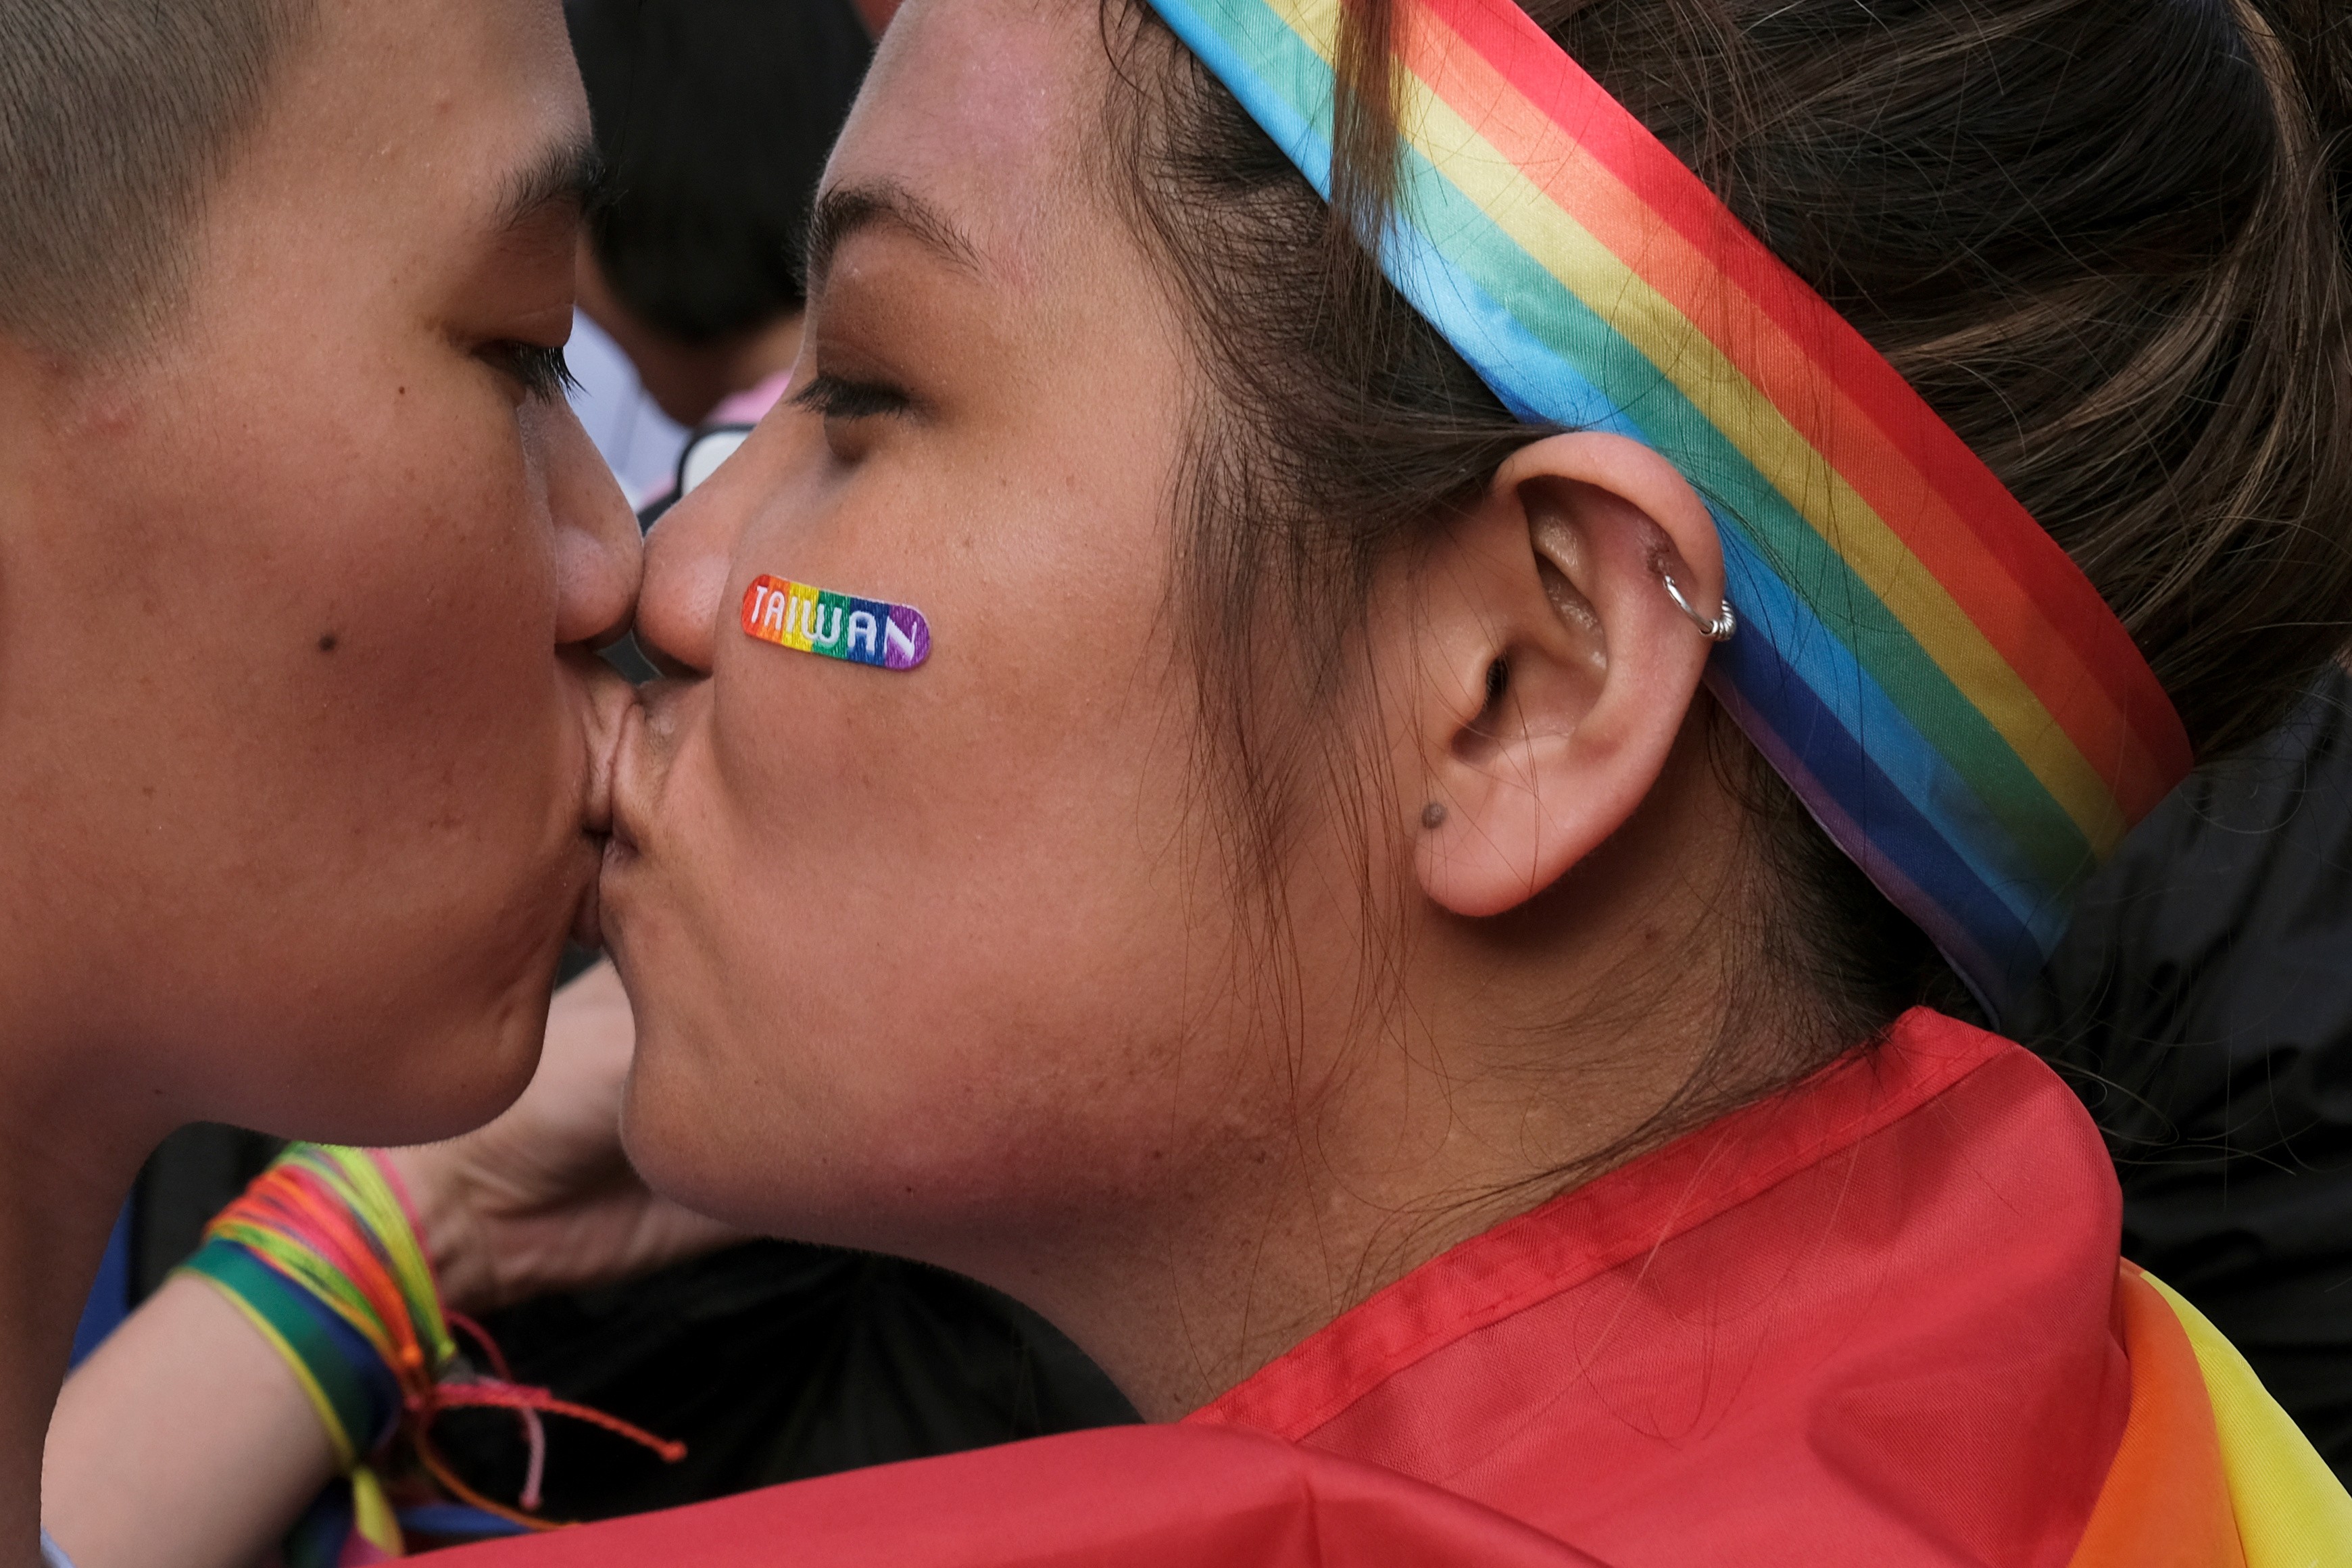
(414, 1078)
(465, 1088)
(723, 1150)
(677, 1153)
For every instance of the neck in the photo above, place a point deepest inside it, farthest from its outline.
(1527, 1053)
(1181, 1304)
(65, 1162)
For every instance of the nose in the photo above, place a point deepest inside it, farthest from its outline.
(690, 554)
(599, 554)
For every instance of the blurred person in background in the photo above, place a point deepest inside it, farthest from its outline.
(714, 117)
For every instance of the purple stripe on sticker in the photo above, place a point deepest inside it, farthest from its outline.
(907, 637)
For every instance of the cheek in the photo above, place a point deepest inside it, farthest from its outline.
(320, 732)
(925, 948)
(386, 607)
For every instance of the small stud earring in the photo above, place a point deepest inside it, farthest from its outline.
(1433, 816)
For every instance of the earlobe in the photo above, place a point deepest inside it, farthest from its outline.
(1559, 580)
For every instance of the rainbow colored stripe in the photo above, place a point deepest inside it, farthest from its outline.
(838, 625)
(1939, 682)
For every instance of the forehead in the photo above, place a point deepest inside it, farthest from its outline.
(980, 108)
(398, 121)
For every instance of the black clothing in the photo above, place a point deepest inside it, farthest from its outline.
(774, 1361)
(2202, 1005)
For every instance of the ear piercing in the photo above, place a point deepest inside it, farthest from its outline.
(1433, 816)
(1717, 630)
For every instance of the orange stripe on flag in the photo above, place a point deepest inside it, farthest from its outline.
(2165, 1503)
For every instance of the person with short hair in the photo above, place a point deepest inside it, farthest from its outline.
(303, 564)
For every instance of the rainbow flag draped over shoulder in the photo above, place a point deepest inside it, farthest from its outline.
(1939, 681)
(1812, 1331)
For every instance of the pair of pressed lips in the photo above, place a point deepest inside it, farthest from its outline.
(619, 795)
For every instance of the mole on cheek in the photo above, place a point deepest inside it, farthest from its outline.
(328, 642)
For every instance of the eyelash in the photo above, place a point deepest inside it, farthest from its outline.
(837, 399)
(539, 367)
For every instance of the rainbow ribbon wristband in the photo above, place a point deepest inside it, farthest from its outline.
(355, 1395)
(320, 1254)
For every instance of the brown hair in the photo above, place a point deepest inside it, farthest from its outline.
(2104, 238)
(114, 115)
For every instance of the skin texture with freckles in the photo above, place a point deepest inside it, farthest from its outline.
(293, 583)
(967, 963)
(302, 739)
(1011, 735)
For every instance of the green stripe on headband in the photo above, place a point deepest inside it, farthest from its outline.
(1937, 681)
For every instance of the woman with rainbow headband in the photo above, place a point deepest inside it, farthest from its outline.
(1524, 616)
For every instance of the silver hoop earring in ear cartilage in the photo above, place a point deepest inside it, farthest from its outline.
(1717, 630)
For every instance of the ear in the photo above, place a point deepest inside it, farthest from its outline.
(1554, 668)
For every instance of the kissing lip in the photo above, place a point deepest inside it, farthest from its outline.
(612, 705)
(641, 756)
(626, 785)
(588, 919)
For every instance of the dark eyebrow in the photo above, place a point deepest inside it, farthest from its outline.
(844, 210)
(567, 174)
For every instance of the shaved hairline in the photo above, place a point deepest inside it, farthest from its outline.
(116, 119)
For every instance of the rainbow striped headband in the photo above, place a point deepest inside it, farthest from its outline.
(1940, 684)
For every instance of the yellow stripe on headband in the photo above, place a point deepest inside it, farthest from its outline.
(1939, 681)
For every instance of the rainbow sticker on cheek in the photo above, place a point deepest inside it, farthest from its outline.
(817, 620)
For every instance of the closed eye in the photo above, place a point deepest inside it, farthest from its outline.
(835, 398)
(538, 368)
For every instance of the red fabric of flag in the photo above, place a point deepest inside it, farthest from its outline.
(1874, 1320)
